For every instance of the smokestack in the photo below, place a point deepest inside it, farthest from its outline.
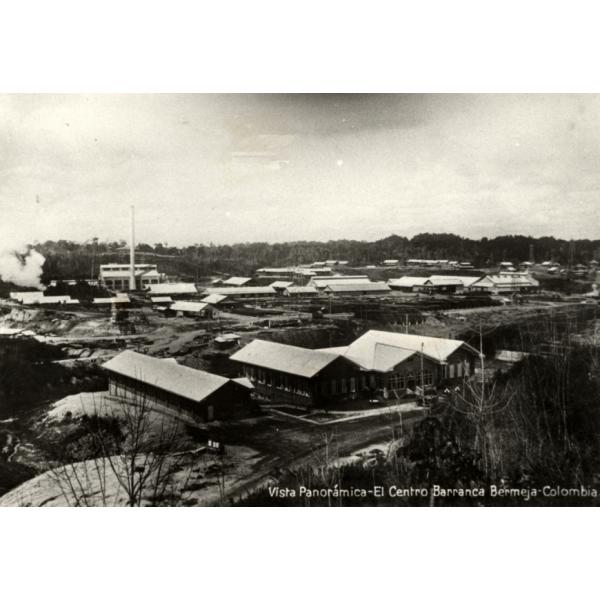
(132, 252)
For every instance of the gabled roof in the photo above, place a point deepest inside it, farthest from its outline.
(284, 358)
(237, 281)
(50, 300)
(507, 280)
(407, 281)
(446, 280)
(359, 286)
(159, 299)
(385, 357)
(214, 298)
(301, 289)
(20, 296)
(433, 280)
(194, 307)
(321, 282)
(241, 290)
(180, 380)
(113, 300)
(281, 284)
(383, 350)
(168, 289)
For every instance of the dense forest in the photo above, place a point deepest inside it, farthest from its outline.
(65, 259)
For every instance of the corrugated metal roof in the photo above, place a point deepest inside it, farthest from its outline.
(301, 289)
(50, 300)
(372, 350)
(182, 306)
(237, 291)
(20, 296)
(169, 289)
(446, 280)
(214, 298)
(371, 286)
(321, 282)
(506, 280)
(284, 358)
(237, 281)
(407, 281)
(114, 300)
(178, 379)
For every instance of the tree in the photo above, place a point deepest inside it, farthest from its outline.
(143, 463)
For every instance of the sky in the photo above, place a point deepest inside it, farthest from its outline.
(203, 168)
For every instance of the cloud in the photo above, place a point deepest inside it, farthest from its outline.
(298, 166)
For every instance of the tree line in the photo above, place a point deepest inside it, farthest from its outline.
(67, 259)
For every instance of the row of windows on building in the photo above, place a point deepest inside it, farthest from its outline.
(123, 284)
(399, 381)
(280, 381)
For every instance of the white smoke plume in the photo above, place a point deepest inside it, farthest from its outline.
(21, 265)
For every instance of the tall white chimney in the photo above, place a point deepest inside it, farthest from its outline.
(132, 252)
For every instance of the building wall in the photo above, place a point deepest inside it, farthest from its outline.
(459, 364)
(122, 283)
(338, 381)
(342, 380)
(229, 401)
(408, 375)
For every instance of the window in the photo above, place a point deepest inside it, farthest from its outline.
(352, 385)
(427, 377)
(324, 388)
(459, 370)
(344, 386)
(451, 370)
(467, 368)
(333, 387)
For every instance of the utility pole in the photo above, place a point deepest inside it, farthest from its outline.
(132, 283)
(422, 379)
(406, 323)
(482, 366)
(94, 243)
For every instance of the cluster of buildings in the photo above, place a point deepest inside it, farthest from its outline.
(378, 364)
(508, 282)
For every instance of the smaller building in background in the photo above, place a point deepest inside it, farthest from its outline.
(236, 281)
(280, 286)
(161, 300)
(115, 276)
(214, 299)
(38, 298)
(119, 299)
(358, 288)
(172, 289)
(320, 282)
(184, 308)
(227, 340)
(241, 291)
(506, 283)
(438, 284)
(300, 290)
